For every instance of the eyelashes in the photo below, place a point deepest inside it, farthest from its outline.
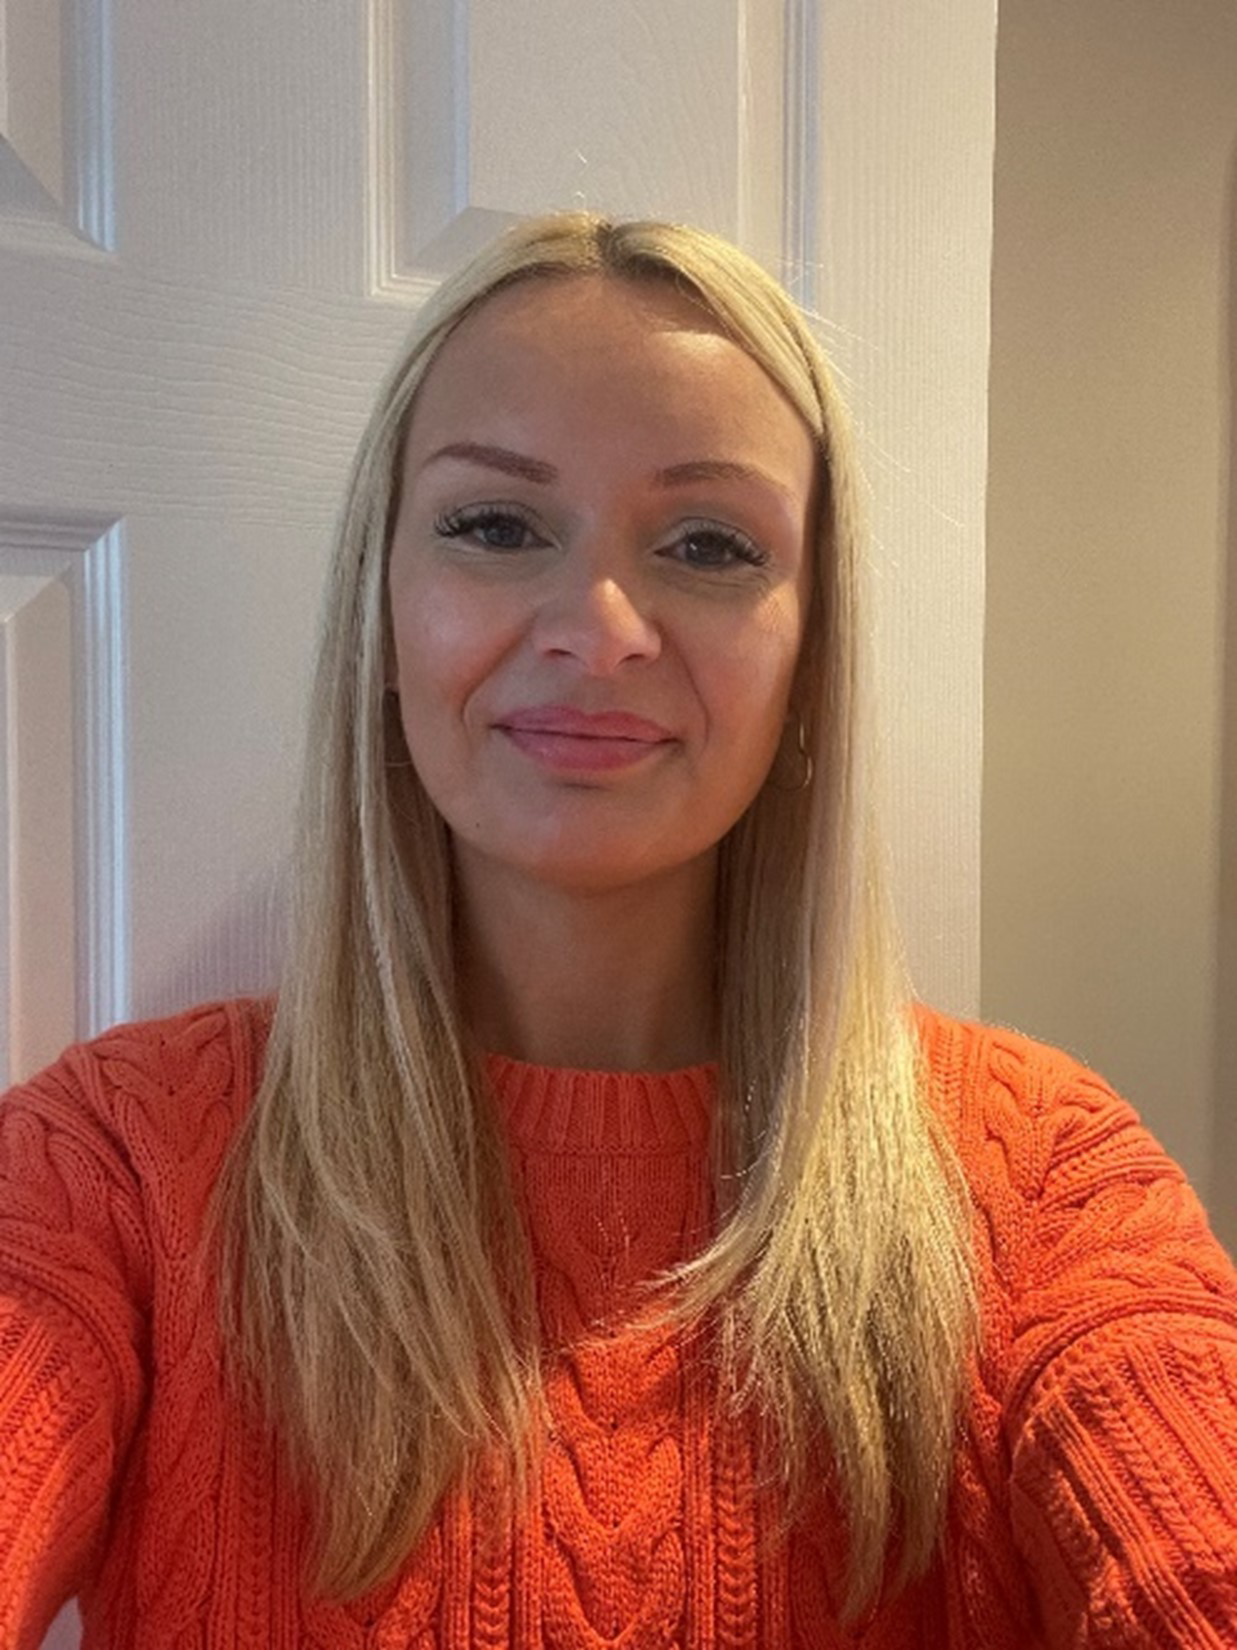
(726, 540)
(506, 525)
(708, 546)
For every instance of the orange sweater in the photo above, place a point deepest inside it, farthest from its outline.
(1094, 1499)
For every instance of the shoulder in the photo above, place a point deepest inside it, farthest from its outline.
(146, 1102)
(208, 1054)
(1066, 1180)
(1083, 1217)
(971, 1062)
(1025, 1111)
(1033, 1123)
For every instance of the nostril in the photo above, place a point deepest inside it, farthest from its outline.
(602, 626)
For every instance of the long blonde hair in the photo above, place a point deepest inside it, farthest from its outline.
(367, 1196)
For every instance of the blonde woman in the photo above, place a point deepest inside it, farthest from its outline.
(592, 1245)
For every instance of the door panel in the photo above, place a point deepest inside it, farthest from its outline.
(36, 724)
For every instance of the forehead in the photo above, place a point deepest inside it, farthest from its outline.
(542, 315)
(565, 356)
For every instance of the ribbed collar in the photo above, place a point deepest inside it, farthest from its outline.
(559, 1109)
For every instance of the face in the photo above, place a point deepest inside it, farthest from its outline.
(599, 576)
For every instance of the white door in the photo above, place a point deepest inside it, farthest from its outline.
(215, 222)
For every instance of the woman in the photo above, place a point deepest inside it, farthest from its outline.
(596, 1247)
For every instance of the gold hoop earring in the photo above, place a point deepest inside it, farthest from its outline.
(390, 701)
(806, 767)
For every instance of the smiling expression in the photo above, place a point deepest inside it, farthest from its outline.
(599, 576)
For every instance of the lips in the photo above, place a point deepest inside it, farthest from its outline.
(567, 742)
(578, 724)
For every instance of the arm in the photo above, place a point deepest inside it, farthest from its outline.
(1121, 1411)
(74, 1275)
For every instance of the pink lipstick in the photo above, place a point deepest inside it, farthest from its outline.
(565, 739)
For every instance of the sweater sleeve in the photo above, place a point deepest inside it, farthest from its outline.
(74, 1274)
(1121, 1410)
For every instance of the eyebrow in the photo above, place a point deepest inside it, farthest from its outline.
(673, 475)
(496, 458)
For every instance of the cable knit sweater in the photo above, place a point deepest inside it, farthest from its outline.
(1094, 1497)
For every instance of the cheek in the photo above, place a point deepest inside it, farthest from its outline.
(443, 650)
(749, 682)
(436, 669)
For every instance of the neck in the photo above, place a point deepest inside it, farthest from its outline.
(620, 980)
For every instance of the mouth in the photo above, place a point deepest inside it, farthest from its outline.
(568, 741)
(565, 721)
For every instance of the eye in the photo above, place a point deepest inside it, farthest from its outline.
(492, 527)
(710, 546)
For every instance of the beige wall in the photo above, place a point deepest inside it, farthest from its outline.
(1109, 823)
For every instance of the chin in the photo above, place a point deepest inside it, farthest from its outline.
(586, 867)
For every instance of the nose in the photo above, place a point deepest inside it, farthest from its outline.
(600, 621)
